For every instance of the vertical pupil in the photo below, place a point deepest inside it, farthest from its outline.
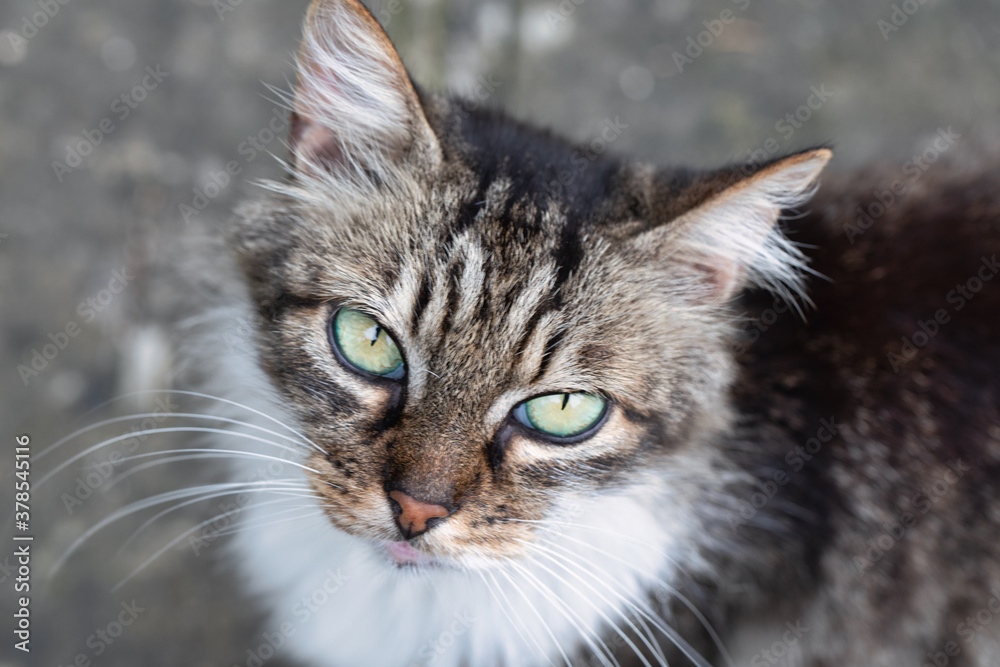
(371, 334)
(565, 401)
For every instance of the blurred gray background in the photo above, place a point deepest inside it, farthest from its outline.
(782, 74)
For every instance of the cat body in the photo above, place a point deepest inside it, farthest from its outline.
(894, 515)
(732, 484)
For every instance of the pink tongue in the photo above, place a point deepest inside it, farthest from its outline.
(402, 551)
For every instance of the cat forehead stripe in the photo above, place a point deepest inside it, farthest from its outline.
(758, 460)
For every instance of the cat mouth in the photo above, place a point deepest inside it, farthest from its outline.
(404, 555)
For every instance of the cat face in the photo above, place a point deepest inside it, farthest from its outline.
(474, 349)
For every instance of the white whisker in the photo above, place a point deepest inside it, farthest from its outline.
(280, 491)
(716, 640)
(531, 606)
(548, 555)
(165, 415)
(197, 394)
(122, 476)
(201, 452)
(138, 506)
(647, 613)
(173, 542)
(591, 638)
(252, 524)
(172, 429)
(519, 626)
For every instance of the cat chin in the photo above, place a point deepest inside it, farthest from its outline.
(403, 554)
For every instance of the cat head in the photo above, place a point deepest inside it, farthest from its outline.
(481, 324)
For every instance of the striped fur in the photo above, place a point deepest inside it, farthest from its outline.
(439, 223)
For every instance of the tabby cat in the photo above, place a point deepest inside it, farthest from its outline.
(537, 426)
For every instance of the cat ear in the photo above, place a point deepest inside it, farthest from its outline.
(729, 240)
(356, 112)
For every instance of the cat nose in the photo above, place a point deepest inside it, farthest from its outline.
(415, 517)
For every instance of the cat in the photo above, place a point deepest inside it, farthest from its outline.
(612, 413)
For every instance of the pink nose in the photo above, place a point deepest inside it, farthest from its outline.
(413, 516)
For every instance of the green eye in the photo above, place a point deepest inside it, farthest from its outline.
(364, 343)
(562, 415)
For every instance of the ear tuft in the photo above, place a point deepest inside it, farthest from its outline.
(730, 240)
(356, 113)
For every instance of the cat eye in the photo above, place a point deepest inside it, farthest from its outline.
(365, 345)
(565, 415)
